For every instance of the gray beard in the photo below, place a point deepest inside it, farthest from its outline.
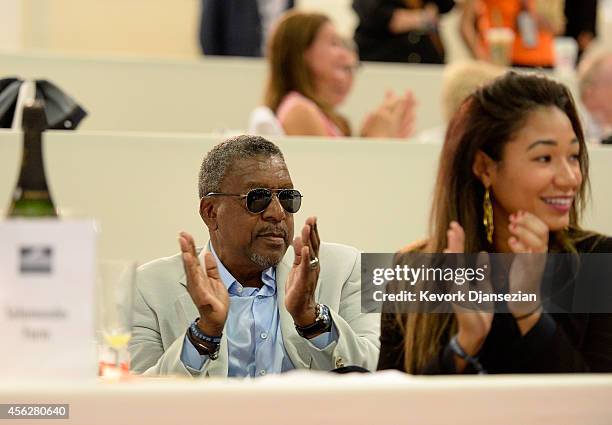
(262, 261)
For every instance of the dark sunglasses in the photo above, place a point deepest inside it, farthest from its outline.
(257, 200)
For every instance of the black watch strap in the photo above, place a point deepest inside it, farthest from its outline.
(321, 324)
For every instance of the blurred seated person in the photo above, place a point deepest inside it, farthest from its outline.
(534, 24)
(400, 30)
(238, 27)
(311, 73)
(581, 22)
(512, 178)
(243, 305)
(595, 87)
(459, 80)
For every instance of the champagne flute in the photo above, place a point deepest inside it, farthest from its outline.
(114, 297)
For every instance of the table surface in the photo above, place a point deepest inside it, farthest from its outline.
(320, 398)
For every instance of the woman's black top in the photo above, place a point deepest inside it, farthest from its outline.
(558, 342)
(377, 43)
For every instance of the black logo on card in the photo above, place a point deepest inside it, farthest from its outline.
(35, 259)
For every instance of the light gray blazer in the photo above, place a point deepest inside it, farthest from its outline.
(163, 311)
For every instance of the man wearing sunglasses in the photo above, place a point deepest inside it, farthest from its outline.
(246, 305)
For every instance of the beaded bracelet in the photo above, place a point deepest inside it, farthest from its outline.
(204, 348)
(195, 331)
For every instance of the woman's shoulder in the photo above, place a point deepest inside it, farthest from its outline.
(407, 252)
(416, 246)
(594, 242)
(295, 100)
(301, 116)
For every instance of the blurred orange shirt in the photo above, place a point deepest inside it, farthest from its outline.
(504, 13)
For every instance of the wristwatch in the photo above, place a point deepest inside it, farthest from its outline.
(321, 324)
(204, 344)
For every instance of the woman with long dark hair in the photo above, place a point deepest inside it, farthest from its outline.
(512, 178)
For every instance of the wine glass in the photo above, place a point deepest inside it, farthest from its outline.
(114, 301)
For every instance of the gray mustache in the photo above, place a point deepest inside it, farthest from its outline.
(274, 230)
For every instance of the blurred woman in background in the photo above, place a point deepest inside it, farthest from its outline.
(311, 73)
(512, 178)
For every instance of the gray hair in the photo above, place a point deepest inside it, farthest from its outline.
(460, 79)
(219, 159)
(590, 70)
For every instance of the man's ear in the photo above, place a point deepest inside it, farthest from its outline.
(208, 212)
(484, 168)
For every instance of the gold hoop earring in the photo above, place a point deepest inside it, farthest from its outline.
(487, 217)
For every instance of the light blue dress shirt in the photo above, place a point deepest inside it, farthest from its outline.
(254, 338)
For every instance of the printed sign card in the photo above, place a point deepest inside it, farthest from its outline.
(47, 281)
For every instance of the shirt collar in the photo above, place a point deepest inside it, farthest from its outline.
(268, 276)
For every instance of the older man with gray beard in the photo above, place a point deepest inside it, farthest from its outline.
(244, 306)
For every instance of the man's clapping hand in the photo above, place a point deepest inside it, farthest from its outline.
(302, 279)
(205, 287)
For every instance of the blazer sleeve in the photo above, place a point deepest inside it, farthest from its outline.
(149, 356)
(145, 345)
(357, 343)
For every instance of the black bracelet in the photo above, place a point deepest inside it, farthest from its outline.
(472, 360)
(204, 348)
